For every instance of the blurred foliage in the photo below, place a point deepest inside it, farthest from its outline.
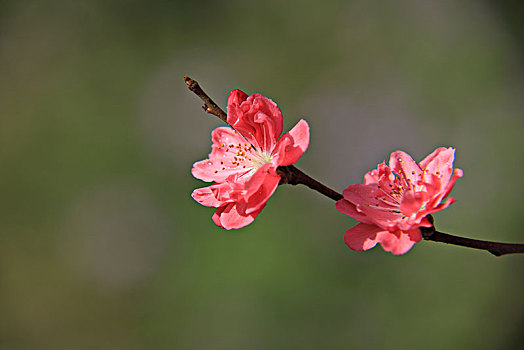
(102, 247)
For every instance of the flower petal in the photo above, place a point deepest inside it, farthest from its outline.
(218, 194)
(362, 236)
(399, 243)
(440, 164)
(292, 145)
(256, 117)
(368, 201)
(412, 202)
(223, 160)
(348, 208)
(365, 237)
(373, 176)
(435, 154)
(260, 188)
(206, 196)
(235, 99)
(402, 164)
(229, 217)
(458, 173)
(380, 176)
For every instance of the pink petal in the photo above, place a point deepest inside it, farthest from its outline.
(412, 202)
(381, 175)
(365, 237)
(230, 190)
(372, 176)
(234, 110)
(433, 184)
(216, 215)
(424, 163)
(257, 118)
(458, 173)
(269, 117)
(441, 206)
(227, 136)
(408, 223)
(260, 188)
(223, 160)
(399, 243)
(218, 194)
(292, 145)
(349, 209)
(364, 197)
(236, 97)
(440, 163)
(401, 163)
(362, 236)
(205, 196)
(229, 217)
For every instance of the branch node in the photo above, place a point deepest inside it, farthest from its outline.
(427, 232)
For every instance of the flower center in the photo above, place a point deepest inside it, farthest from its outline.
(243, 157)
(263, 158)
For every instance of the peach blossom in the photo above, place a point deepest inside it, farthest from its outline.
(244, 159)
(395, 200)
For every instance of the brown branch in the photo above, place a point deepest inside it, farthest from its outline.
(495, 248)
(209, 105)
(294, 176)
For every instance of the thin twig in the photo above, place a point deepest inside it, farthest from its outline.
(294, 176)
(209, 105)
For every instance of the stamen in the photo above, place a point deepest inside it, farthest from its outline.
(382, 209)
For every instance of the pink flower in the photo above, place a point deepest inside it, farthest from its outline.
(394, 201)
(243, 161)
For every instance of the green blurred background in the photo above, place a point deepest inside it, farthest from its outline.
(103, 248)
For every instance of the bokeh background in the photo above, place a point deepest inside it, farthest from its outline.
(101, 246)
